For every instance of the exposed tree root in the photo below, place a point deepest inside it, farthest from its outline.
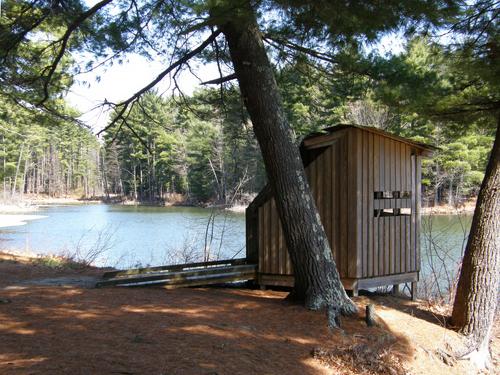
(478, 354)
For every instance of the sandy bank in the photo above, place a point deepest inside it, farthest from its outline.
(11, 220)
(42, 200)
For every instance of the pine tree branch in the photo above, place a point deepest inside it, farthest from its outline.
(139, 34)
(469, 108)
(45, 109)
(64, 40)
(19, 37)
(221, 86)
(126, 103)
(220, 80)
(296, 47)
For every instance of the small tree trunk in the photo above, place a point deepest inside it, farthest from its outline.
(450, 193)
(135, 183)
(437, 186)
(4, 169)
(477, 291)
(17, 170)
(317, 281)
(24, 187)
(141, 183)
(104, 172)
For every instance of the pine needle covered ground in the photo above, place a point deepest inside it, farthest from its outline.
(62, 327)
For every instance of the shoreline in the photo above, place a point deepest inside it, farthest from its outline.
(33, 203)
(467, 208)
(10, 220)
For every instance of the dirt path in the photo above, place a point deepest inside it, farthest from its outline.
(52, 329)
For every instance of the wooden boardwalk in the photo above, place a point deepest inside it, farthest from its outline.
(183, 275)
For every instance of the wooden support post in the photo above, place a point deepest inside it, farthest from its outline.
(395, 289)
(414, 291)
(355, 291)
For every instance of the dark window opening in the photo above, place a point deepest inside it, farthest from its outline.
(392, 194)
(406, 194)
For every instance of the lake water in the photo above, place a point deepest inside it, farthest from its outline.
(128, 236)
(442, 241)
(137, 235)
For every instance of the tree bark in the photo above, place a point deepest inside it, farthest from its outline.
(450, 192)
(437, 186)
(317, 281)
(477, 291)
(17, 171)
(24, 187)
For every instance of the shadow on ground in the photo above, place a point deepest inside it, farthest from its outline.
(69, 330)
(414, 309)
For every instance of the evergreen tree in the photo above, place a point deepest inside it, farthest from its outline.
(457, 85)
(43, 155)
(177, 27)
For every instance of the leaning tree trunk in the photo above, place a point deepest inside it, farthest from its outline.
(477, 291)
(317, 281)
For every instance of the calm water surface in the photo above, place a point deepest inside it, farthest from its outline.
(131, 235)
(158, 235)
(442, 241)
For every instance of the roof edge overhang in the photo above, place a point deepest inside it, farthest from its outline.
(328, 135)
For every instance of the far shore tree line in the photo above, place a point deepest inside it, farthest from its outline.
(202, 150)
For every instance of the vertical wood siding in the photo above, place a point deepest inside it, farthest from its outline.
(345, 178)
(393, 236)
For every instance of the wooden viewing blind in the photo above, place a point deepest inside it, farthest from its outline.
(366, 184)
